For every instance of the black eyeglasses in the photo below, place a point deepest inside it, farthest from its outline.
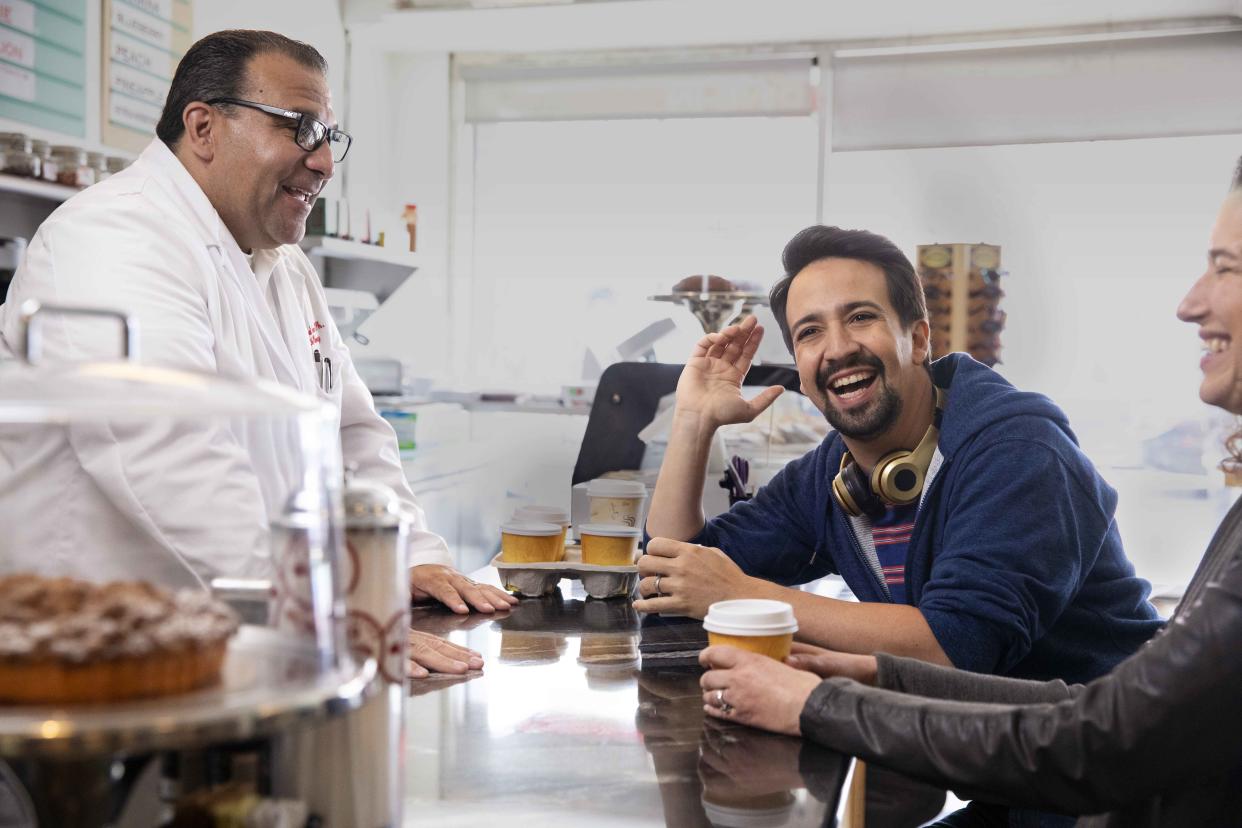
(311, 132)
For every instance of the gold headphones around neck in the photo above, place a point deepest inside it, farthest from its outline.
(896, 480)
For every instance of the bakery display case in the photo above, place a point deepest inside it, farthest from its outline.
(962, 283)
(126, 490)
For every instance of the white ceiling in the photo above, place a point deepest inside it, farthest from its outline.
(638, 24)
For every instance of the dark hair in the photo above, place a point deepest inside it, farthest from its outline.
(216, 67)
(905, 291)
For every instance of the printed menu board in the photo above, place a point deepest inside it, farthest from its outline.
(142, 42)
(42, 64)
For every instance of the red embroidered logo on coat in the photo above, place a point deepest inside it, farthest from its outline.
(313, 332)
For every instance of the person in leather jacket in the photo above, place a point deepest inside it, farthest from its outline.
(1156, 742)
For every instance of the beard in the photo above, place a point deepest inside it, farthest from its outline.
(870, 420)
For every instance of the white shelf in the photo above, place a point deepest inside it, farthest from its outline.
(333, 248)
(38, 189)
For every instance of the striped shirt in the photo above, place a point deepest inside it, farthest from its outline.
(891, 533)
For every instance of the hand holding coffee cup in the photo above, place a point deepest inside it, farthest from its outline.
(747, 680)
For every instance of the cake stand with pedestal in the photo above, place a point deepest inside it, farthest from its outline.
(72, 765)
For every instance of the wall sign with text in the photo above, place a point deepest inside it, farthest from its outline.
(42, 64)
(143, 41)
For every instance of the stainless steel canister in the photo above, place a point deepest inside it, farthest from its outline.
(303, 598)
(349, 770)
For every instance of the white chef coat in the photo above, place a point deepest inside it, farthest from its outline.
(175, 502)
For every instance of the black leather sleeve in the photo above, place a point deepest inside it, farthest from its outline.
(1165, 720)
(909, 675)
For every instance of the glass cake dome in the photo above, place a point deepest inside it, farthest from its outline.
(123, 470)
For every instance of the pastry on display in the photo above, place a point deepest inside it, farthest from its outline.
(68, 641)
(700, 283)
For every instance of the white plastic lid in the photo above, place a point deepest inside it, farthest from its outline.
(542, 514)
(606, 487)
(723, 816)
(750, 616)
(611, 530)
(530, 528)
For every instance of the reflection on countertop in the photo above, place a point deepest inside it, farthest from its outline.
(563, 728)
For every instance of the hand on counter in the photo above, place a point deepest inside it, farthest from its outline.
(431, 654)
(432, 620)
(692, 578)
(830, 663)
(710, 385)
(455, 590)
(752, 689)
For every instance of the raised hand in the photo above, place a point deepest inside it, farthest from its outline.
(710, 386)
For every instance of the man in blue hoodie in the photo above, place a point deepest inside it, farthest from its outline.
(965, 518)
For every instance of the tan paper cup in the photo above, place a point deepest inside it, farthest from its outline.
(531, 542)
(544, 514)
(608, 649)
(616, 501)
(609, 545)
(766, 811)
(530, 648)
(754, 624)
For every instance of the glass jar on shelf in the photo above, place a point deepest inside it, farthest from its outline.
(48, 167)
(98, 162)
(74, 167)
(19, 157)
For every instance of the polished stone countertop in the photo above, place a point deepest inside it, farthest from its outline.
(564, 726)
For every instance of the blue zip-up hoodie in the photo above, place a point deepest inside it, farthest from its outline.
(1015, 559)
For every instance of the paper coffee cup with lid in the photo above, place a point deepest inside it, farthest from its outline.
(531, 542)
(616, 501)
(609, 544)
(759, 625)
(767, 811)
(544, 514)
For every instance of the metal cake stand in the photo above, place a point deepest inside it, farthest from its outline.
(68, 756)
(716, 308)
(270, 681)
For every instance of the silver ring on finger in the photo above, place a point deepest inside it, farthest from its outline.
(657, 586)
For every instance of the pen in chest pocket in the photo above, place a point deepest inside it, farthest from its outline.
(323, 366)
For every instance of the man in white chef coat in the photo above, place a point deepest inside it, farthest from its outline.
(197, 240)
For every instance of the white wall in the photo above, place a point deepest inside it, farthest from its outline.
(653, 24)
(317, 22)
(400, 117)
(1100, 240)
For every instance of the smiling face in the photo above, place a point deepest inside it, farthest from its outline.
(855, 361)
(261, 182)
(1214, 303)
